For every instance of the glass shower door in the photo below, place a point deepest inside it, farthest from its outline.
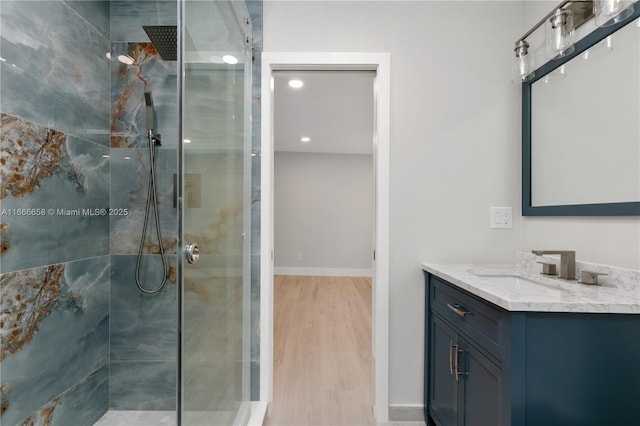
(215, 208)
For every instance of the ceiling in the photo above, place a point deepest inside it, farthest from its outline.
(333, 108)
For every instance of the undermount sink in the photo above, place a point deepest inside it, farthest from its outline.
(514, 280)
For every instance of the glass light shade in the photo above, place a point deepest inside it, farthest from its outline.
(559, 34)
(522, 63)
(609, 12)
(559, 73)
(600, 49)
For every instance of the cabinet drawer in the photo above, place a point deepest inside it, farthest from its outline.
(480, 321)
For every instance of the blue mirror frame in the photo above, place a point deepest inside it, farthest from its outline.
(603, 209)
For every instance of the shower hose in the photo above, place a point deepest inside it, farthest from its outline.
(152, 202)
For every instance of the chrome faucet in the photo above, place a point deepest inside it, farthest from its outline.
(567, 262)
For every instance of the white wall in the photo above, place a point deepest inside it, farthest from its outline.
(455, 145)
(323, 206)
(455, 137)
(610, 241)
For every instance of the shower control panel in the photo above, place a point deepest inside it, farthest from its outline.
(192, 253)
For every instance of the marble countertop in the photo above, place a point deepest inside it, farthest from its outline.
(520, 288)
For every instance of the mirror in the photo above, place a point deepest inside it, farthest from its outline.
(581, 128)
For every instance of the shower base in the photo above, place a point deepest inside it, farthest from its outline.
(137, 418)
(166, 418)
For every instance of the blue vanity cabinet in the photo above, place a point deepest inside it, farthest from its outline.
(486, 366)
(466, 383)
(465, 376)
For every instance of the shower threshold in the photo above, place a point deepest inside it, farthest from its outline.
(168, 418)
(137, 418)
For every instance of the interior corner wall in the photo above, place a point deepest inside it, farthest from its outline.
(323, 214)
(455, 138)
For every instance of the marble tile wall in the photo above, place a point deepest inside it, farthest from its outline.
(143, 335)
(55, 333)
(255, 10)
(73, 144)
(54, 236)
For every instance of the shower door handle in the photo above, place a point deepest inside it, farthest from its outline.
(192, 253)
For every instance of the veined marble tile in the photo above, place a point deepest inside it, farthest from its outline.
(215, 220)
(255, 10)
(56, 73)
(213, 336)
(142, 386)
(82, 404)
(51, 186)
(214, 109)
(143, 326)
(148, 73)
(95, 12)
(129, 188)
(54, 331)
(128, 18)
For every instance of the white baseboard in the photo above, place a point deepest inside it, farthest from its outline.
(324, 272)
(406, 413)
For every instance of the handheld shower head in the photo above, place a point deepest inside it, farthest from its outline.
(148, 100)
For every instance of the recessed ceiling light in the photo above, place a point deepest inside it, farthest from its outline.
(108, 55)
(127, 158)
(296, 84)
(126, 59)
(105, 156)
(230, 59)
(187, 140)
(305, 139)
(2, 59)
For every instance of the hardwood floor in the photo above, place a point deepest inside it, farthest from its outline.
(322, 352)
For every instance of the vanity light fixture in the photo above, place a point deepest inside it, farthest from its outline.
(610, 12)
(560, 24)
(296, 84)
(522, 64)
(559, 73)
(559, 34)
(599, 49)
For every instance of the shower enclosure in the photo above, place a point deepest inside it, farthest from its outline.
(93, 95)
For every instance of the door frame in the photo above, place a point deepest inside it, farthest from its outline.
(380, 63)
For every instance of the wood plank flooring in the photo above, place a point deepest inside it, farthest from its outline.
(322, 352)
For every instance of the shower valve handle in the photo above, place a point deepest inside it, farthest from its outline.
(192, 253)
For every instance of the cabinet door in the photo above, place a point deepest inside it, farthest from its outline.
(482, 388)
(443, 384)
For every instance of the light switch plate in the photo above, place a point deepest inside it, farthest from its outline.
(501, 218)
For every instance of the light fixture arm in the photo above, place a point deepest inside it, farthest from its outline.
(582, 9)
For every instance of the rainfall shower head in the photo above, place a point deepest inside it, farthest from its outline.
(165, 39)
(148, 100)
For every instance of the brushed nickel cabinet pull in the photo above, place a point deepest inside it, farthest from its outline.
(451, 346)
(458, 309)
(456, 364)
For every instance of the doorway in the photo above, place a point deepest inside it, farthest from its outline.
(378, 63)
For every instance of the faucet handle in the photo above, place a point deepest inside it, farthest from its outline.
(549, 268)
(590, 277)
